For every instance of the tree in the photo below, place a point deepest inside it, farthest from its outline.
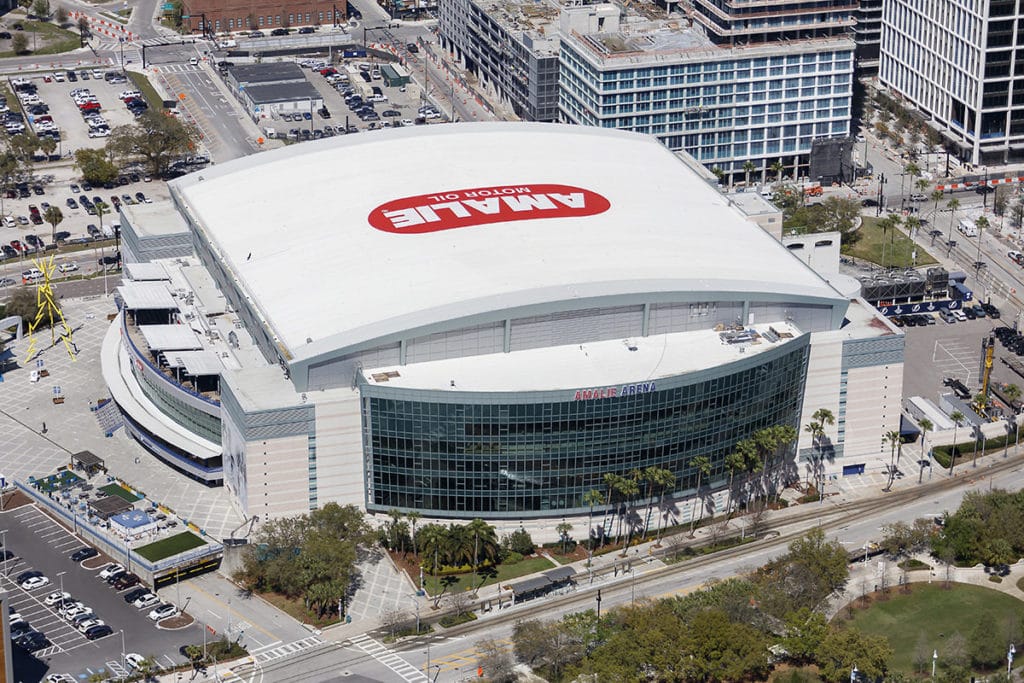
(953, 205)
(48, 145)
(23, 302)
(41, 9)
(83, 30)
(61, 15)
(926, 426)
(958, 418)
(485, 540)
(893, 439)
(804, 632)
(19, 43)
(156, 139)
(591, 498)
(629, 488)
(665, 480)
(54, 217)
(496, 661)
(563, 530)
(10, 168)
(777, 169)
(935, 196)
(816, 428)
(414, 517)
(95, 165)
(734, 462)
(987, 650)
(702, 464)
(748, 168)
(840, 214)
(844, 648)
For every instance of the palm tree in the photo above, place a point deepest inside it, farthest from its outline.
(413, 518)
(611, 482)
(784, 436)
(395, 514)
(953, 204)
(54, 217)
(922, 185)
(935, 196)
(823, 417)
(650, 479)
(893, 439)
(1012, 393)
(629, 488)
(981, 223)
(433, 537)
(926, 426)
(484, 538)
(702, 464)
(563, 530)
(666, 480)
(592, 497)
(778, 168)
(957, 417)
(748, 168)
(734, 462)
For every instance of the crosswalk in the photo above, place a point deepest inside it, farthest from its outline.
(404, 670)
(279, 651)
(116, 669)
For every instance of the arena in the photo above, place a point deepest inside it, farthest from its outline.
(479, 320)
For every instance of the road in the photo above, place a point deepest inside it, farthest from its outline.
(452, 656)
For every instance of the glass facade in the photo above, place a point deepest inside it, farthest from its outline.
(507, 455)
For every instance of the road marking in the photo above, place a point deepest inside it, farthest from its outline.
(405, 670)
(265, 655)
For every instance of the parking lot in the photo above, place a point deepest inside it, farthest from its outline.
(393, 106)
(943, 350)
(39, 544)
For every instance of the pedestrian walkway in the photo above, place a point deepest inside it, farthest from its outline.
(274, 652)
(387, 657)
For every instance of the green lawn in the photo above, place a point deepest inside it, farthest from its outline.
(120, 492)
(506, 572)
(50, 39)
(58, 482)
(886, 249)
(155, 102)
(171, 546)
(936, 612)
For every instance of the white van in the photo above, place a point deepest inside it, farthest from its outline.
(967, 227)
(271, 133)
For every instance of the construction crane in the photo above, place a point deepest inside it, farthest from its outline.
(988, 347)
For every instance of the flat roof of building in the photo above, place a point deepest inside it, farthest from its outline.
(140, 296)
(266, 72)
(170, 337)
(408, 228)
(595, 364)
(272, 93)
(155, 219)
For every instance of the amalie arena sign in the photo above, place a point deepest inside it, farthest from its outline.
(483, 205)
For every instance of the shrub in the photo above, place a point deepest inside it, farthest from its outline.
(511, 557)
(518, 541)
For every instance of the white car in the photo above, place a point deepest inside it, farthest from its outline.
(77, 611)
(164, 611)
(55, 597)
(60, 678)
(67, 267)
(134, 660)
(88, 624)
(110, 570)
(35, 582)
(9, 222)
(99, 133)
(147, 600)
(128, 94)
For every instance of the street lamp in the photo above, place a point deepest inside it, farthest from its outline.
(417, 604)
(122, 649)
(3, 542)
(935, 658)
(853, 674)
(1009, 658)
(60, 575)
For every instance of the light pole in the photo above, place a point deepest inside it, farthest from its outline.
(60, 575)
(1009, 658)
(935, 658)
(122, 54)
(416, 603)
(853, 674)
(3, 541)
(122, 649)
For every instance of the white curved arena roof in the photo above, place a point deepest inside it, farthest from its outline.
(532, 213)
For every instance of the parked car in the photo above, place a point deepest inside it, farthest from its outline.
(35, 583)
(97, 632)
(55, 597)
(147, 600)
(133, 595)
(112, 568)
(164, 611)
(125, 580)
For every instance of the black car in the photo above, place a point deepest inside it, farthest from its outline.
(32, 641)
(25, 576)
(86, 186)
(108, 260)
(6, 555)
(97, 632)
(306, 30)
(72, 76)
(280, 32)
(969, 312)
(140, 197)
(83, 553)
(125, 580)
(133, 595)
(411, 47)
(72, 204)
(20, 628)
(62, 235)
(116, 575)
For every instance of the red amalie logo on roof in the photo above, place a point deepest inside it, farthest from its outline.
(483, 205)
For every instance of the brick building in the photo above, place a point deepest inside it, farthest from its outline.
(241, 15)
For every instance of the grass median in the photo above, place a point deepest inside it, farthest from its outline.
(887, 248)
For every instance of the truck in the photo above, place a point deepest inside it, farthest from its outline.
(814, 191)
(958, 291)
(351, 54)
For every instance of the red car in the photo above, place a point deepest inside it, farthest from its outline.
(89, 106)
(329, 71)
(18, 246)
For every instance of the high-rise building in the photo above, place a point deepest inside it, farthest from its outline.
(512, 47)
(867, 33)
(954, 61)
(749, 22)
(726, 104)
